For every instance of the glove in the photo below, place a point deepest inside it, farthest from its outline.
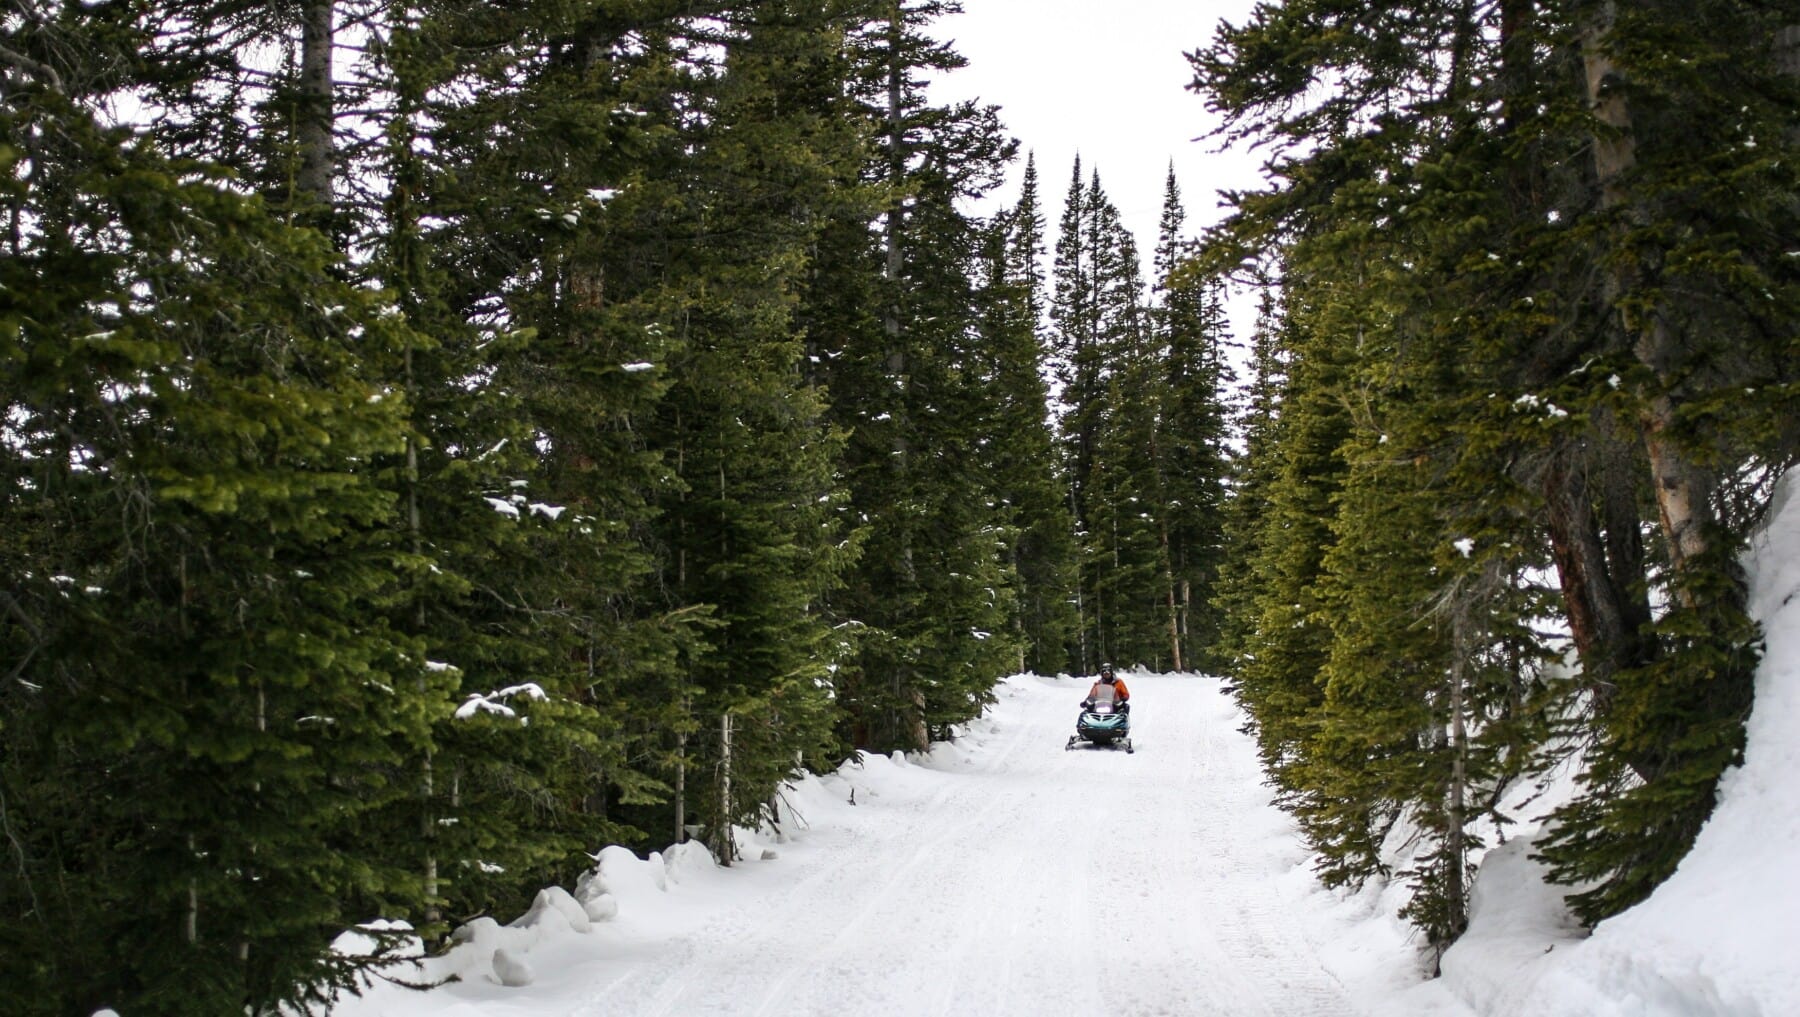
(1087, 704)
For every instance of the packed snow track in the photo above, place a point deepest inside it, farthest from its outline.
(1001, 875)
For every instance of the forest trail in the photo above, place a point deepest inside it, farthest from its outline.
(1005, 876)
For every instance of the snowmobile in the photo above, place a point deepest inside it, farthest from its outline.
(1107, 725)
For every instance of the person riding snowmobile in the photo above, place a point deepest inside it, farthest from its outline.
(1105, 718)
(1109, 689)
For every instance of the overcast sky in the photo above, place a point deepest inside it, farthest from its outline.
(1107, 79)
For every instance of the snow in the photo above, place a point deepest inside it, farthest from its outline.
(495, 702)
(994, 873)
(984, 876)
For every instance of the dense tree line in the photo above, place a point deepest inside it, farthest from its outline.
(440, 439)
(1526, 389)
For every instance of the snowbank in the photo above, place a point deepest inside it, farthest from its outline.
(1718, 938)
(626, 900)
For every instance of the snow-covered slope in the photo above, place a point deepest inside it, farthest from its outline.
(1722, 936)
(997, 875)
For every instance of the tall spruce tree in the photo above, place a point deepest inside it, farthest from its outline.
(753, 530)
(1104, 365)
(205, 701)
(1019, 444)
(1192, 450)
(895, 324)
(1253, 470)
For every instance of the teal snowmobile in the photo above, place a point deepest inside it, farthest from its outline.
(1107, 725)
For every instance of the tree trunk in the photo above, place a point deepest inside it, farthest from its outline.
(681, 739)
(1681, 486)
(313, 127)
(1173, 602)
(917, 731)
(723, 844)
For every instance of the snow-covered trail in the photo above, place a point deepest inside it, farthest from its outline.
(1002, 876)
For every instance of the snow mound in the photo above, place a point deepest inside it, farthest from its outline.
(622, 886)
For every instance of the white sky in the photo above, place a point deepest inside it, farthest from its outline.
(1107, 79)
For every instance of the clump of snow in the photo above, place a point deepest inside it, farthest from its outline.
(1520, 918)
(495, 702)
(368, 939)
(512, 971)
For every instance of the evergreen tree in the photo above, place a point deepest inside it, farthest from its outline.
(753, 530)
(1024, 470)
(1253, 472)
(931, 600)
(1487, 226)
(1193, 455)
(1288, 642)
(206, 701)
(1103, 363)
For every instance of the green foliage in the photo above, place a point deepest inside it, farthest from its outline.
(1019, 452)
(894, 315)
(1670, 730)
(1192, 442)
(1521, 291)
(207, 556)
(384, 570)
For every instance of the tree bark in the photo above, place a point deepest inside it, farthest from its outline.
(1682, 488)
(1173, 603)
(313, 126)
(723, 845)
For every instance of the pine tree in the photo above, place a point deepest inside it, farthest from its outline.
(1193, 454)
(1287, 645)
(753, 531)
(1019, 444)
(1253, 472)
(895, 320)
(203, 664)
(1472, 193)
(1103, 362)
(1665, 227)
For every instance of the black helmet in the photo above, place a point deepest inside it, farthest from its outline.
(1106, 674)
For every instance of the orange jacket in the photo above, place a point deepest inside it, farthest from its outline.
(1120, 692)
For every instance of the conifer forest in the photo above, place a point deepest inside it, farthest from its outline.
(441, 439)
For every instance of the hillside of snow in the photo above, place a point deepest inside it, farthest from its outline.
(1721, 936)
